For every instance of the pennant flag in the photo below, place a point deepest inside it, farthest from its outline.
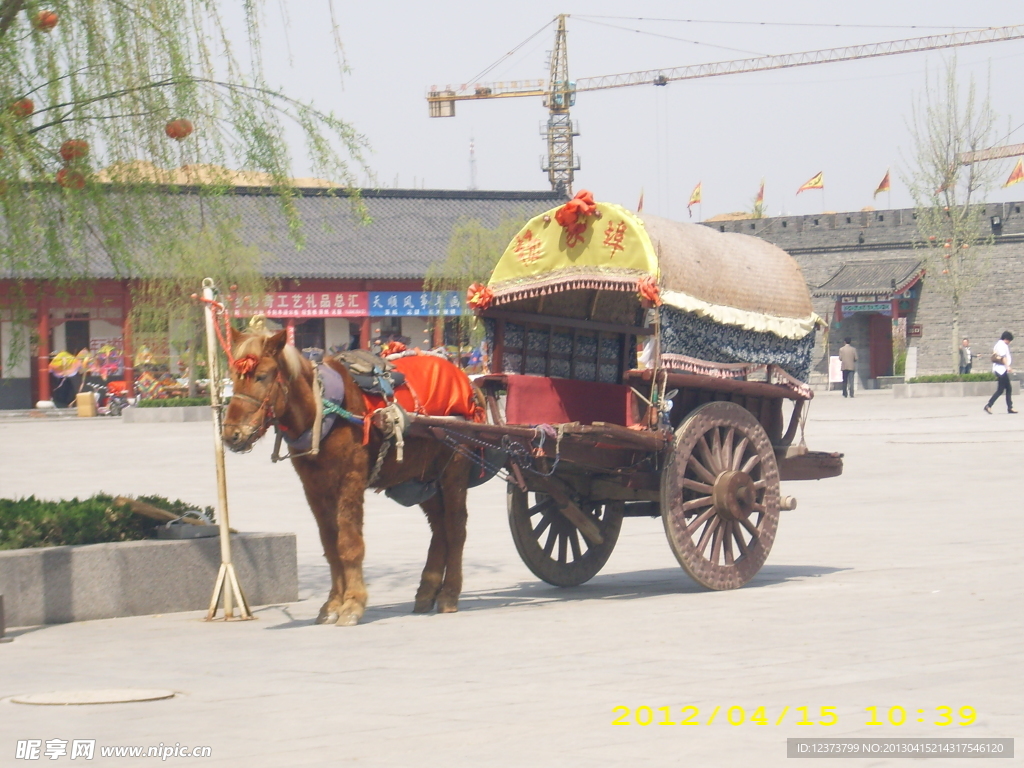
(885, 186)
(759, 200)
(1016, 175)
(640, 205)
(694, 198)
(815, 182)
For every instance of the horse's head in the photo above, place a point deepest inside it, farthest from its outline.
(262, 372)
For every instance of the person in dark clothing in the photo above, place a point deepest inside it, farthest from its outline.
(965, 357)
(1001, 360)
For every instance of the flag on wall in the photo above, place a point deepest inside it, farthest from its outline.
(759, 200)
(884, 186)
(694, 198)
(815, 182)
(1016, 175)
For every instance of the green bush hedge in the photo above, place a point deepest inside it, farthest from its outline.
(31, 522)
(173, 402)
(944, 378)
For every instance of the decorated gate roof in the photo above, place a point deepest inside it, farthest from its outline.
(733, 279)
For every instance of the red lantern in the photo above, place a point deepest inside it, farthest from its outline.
(70, 178)
(45, 21)
(178, 129)
(74, 149)
(22, 107)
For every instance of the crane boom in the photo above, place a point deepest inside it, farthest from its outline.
(788, 60)
(995, 153)
(560, 92)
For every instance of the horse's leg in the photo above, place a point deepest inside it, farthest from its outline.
(453, 483)
(350, 547)
(323, 503)
(433, 571)
(327, 525)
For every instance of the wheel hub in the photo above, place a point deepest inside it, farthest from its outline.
(733, 494)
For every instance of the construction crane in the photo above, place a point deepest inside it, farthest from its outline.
(559, 92)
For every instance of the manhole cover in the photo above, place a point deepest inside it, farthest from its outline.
(104, 696)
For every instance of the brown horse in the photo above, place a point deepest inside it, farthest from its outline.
(273, 386)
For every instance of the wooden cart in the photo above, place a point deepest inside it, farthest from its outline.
(643, 368)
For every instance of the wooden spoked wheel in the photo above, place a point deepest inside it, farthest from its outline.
(551, 546)
(720, 495)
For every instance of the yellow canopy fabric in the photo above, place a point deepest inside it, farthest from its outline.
(613, 253)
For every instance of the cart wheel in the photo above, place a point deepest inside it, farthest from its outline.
(551, 546)
(720, 496)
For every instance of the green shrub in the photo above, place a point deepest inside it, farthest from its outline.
(173, 402)
(32, 522)
(943, 378)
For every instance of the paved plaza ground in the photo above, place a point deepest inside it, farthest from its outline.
(898, 584)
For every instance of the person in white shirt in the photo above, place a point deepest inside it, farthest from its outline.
(1001, 360)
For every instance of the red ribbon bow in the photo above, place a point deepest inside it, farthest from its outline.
(479, 296)
(572, 216)
(246, 364)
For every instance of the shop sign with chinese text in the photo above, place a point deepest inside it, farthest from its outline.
(306, 304)
(414, 303)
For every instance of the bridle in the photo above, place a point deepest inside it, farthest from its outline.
(264, 407)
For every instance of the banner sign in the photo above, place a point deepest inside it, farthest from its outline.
(414, 303)
(307, 304)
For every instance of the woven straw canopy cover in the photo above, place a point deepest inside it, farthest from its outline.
(732, 279)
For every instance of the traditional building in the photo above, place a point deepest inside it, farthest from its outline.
(867, 273)
(350, 281)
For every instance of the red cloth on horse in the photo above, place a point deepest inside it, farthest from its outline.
(433, 387)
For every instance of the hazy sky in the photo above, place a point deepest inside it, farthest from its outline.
(848, 119)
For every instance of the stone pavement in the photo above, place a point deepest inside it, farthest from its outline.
(896, 584)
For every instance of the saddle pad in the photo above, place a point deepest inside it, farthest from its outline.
(369, 382)
(433, 387)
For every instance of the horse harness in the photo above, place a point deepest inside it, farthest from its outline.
(329, 396)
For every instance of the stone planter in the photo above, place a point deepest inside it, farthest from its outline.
(53, 585)
(133, 415)
(951, 389)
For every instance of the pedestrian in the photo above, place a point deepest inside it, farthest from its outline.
(965, 357)
(1001, 360)
(848, 361)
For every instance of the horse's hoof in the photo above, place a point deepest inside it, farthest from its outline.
(347, 620)
(423, 606)
(447, 605)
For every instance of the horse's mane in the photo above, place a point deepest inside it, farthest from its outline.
(252, 344)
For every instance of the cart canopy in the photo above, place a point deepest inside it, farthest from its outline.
(731, 279)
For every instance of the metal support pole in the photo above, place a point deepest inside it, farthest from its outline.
(227, 581)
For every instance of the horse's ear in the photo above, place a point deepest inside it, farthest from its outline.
(234, 336)
(274, 344)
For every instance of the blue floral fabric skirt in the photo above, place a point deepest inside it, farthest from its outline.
(683, 333)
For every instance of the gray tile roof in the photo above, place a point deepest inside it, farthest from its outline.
(408, 231)
(860, 277)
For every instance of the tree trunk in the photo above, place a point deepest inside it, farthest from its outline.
(956, 336)
(193, 355)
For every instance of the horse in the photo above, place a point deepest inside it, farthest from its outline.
(273, 387)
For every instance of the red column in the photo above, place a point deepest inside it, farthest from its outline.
(43, 349)
(126, 339)
(364, 333)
